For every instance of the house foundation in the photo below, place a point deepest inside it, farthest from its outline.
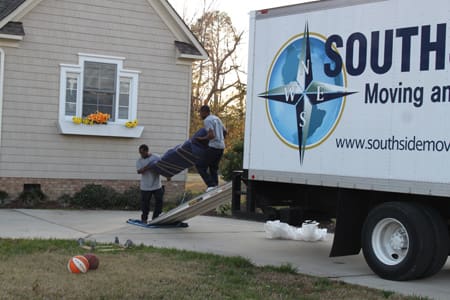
(53, 188)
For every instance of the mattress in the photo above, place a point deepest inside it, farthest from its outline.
(180, 157)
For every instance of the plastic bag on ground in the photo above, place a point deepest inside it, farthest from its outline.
(309, 232)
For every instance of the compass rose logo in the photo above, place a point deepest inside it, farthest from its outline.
(304, 104)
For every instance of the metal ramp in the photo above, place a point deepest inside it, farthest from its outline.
(197, 206)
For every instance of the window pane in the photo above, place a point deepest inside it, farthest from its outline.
(72, 81)
(90, 98)
(100, 76)
(123, 112)
(106, 109)
(89, 109)
(124, 98)
(105, 99)
(101, 102)
(99, 88)
(124, 86)
(90, 82)
(107, 77)
(71, 109)
(107, 70)
(107, 84)
(91, 75)
(71, 94)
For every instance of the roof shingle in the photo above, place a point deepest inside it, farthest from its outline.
(14, 28)
(186, 48)
(8, 6)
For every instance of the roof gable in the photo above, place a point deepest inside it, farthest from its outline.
(10, 28)
(181, 31)
(187, 45)
(13, 28)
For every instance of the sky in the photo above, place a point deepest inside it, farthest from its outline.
(238, 10)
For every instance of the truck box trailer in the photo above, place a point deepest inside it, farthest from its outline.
(348, 117)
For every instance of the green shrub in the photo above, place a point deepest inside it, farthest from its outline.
(94, 196)
(130, 199)
(232, 160)
(3, 196)
(104, 197)
(224, 209)
(32, 198)
(64, 200)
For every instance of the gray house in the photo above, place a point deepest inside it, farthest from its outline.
(62, 60)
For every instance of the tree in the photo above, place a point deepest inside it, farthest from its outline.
(217, 81)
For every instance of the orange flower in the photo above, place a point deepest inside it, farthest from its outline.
(99, 118)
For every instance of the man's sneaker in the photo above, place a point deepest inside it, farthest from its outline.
(210, 188)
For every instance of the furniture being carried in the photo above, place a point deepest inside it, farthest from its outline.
(181, 157)
(174, 161)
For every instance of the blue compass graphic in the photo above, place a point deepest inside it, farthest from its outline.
(304, 104)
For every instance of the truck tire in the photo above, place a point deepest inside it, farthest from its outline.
(396, 241)
(441, 241)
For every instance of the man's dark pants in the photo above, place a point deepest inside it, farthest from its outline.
(146, 196)
(210, 161)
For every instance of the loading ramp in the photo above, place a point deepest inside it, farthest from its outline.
(196, 206)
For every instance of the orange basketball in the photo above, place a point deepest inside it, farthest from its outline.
(78, 264)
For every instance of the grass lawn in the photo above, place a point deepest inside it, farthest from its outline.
(37, 269)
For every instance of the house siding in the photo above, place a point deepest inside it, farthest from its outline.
(56, 31)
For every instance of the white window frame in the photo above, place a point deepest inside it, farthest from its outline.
(116, 127)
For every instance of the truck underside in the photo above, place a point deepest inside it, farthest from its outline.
(358, 214)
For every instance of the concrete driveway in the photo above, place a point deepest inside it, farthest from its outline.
(222, 236)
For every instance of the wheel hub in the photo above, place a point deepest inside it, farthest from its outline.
(390, 241)
(398, 240)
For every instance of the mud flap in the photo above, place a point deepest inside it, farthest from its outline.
(351, 212)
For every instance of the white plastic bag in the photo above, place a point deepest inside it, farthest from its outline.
(309, 231)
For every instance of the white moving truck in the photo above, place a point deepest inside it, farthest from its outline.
(348, 117)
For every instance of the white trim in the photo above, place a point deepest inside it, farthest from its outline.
(113, 128)
(109, 130)
(184, 62)
(188, 105)
(69, 65)
(62, 90)
(9, 43)
(97, 56)
(82, 58)
(11, 37)
(188, 56)
(130, 71)
(2, 71)
(133, 92)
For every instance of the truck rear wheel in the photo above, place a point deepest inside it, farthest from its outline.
(396, 241)
(441, 241)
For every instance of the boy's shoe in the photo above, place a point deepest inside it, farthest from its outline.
(144, 219)
(210, 188)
